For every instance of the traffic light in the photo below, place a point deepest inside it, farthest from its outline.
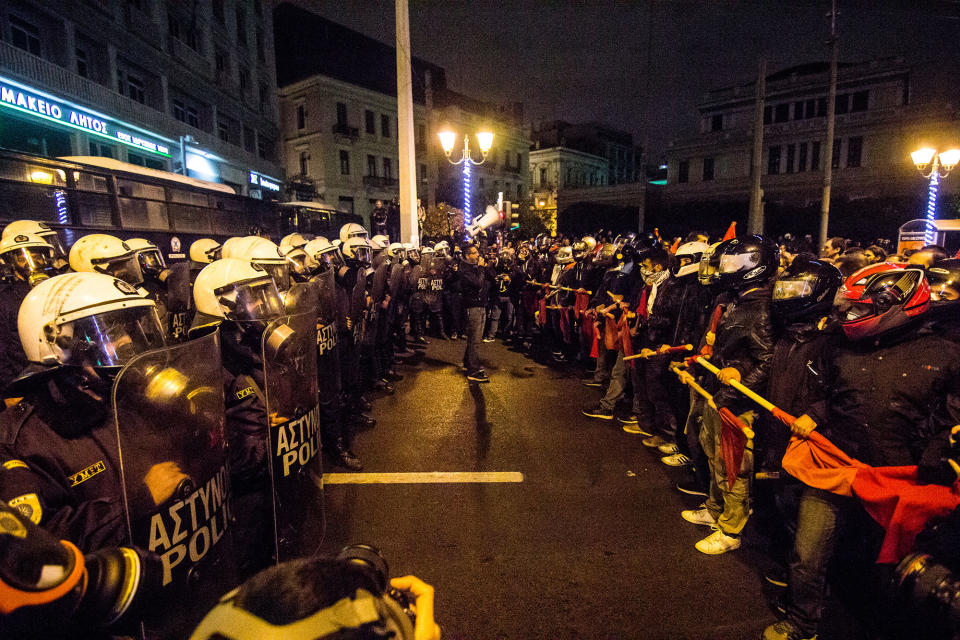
(514, 216)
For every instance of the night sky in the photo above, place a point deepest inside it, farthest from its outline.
(587, 60)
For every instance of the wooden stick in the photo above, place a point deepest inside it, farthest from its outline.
(683, 347)
(760, 400)
(558, 287)
(747, 431)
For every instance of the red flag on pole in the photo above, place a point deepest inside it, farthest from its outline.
(733, 442)
(731, 231)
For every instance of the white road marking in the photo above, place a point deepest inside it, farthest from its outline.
(428, 477)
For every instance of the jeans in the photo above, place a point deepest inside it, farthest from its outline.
(618, 382)
(493, 313)
(605, 361)
(476, 317)
(729, 506)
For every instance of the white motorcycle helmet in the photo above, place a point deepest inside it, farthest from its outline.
(102, 253)
(565, 255)
(88, 319)
(29, 256)
(42, 229)
(265, 253)
(237, 290)
(395, 250)
(358, 249)
(691, 252)
(205, 250)
(352, 230)
(151, 260)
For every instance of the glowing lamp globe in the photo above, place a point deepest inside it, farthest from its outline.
(922, 157)
(949, 159)
(447, 140)
(485, 140)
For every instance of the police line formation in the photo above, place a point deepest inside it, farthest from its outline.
(166, 420)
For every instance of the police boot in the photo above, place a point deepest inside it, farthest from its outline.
(361, 421)
(363, 404)
(346, 458)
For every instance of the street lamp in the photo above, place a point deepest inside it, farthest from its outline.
(484, 140)
(934, 166)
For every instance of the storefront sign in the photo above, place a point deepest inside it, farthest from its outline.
(263, 181)
(35, 103)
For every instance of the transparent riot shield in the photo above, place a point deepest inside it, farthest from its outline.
(301, 298)
(290, 387)
(169, 414)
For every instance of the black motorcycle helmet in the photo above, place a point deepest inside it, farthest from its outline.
(646, 240)
(805, 290)
(944, 278)
(746, 261)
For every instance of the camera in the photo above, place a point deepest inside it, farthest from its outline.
(370, 558)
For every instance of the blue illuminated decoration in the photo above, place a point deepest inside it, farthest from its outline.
(466, 194)
(63, 216)
(930, 235)
(21, 98)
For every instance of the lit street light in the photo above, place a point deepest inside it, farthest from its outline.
(934, 166)
(484, 140)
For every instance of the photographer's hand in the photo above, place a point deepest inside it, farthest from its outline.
(426, 628)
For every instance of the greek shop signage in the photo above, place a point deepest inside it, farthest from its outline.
(263, 181)
(19, 98)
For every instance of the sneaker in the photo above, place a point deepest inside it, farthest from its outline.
(698, 516)
(634, 428)
(777, 576)
(629, 419)
(488, 339)
(668, 448)
(598, 412)
(716, 543)
(654, 441)
(676, 460)
(591, 383)
(690, 488)
(786, 630)
(454, 336)
(478, 376)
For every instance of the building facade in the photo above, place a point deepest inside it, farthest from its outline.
(555, 169)
(624, 159)
(884, 110)
(184, 87)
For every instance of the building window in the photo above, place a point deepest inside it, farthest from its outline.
(822, 108)
(773, 161)
(791, 157)
(220, 60)
(781, 112)
(854, 151)
(301, 116)
(344, 162)
(767, 114)
(136, 89)
(423, 172)
(249, 139)
(223, 131)
(842, 105)
(218, 11)
(186, 113)
(520, 191)
(543, 176)
(860, 101)
(345, 203)
(102, 150)
(144, 161)
(683, 171)
(815, 156)
(385, 125)
(341, 114)
(369, 122)
(716, 122)
(264, 97)
(372, 166)
(388, 168)
(241, 24)
(835, 160)
(810, 108)
(798, 110)
(519, 161)
(244, 80)
(421, 134)
(261, 51)
(182, 31)
(264, 148)
(802, 161)
(82, 68)
(707, 170)
(24, 35)
(304, 163)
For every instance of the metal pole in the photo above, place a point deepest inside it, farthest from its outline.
(831, 122)
(405, 137)
(755, 217)
(430, 144)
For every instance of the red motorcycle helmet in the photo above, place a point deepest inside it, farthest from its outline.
(881, 297)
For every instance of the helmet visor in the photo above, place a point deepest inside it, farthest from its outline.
(53, 239)
(112, 338)
(251, 300)
(126, 268)
(709, 268)
(29, 260)
(300, 262)
(151, 261)
(792, 289)
(732, 263)
(363, 254)
(279, 271)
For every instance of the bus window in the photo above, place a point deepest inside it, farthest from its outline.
(32, 202)
(182, 196)
(142, 205)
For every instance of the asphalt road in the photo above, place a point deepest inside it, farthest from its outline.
(589, 545)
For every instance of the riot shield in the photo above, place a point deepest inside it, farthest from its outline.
(169, 415)
(301, 298)
(290, 386)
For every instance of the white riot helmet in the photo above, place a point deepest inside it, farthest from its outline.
(236, 290)
(565, 255)
(427, 251)
(205, 250)
(376, 244)
(29, 256)
(324, 253)
(102, 253)
(228, 245)
(442, 248)
(692, 251)
(301, 263)
(395, 250)
(352, 230)
(382, 239)
(41, 229)
(265, 253)
(357, 249)
(151, 260)
(292, 241)
(89, 319)
(411, 251)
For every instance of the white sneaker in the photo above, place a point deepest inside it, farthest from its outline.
(676, 460)
(698, 516)
(716, 543)
(669, 448)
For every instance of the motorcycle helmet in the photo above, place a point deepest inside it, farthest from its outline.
(944, 279)
(237, 290)
(881, 297)
(151, 260)
(102, 253)
(357, 250)
(591, 243)
(644, 241)
(607, 256)
(42, 229)
(352, 230)
(29, 256)
(205, 250)
(265, 253)
(805, 289)
(746, 261)
(324, 254)
(709, 265)
(688, 258)
(565, 255)
(87, 319)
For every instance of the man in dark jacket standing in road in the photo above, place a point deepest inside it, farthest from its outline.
(474, 286)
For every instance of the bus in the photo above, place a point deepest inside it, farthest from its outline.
(78, 195)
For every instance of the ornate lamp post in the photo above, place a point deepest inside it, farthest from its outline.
(484, 140)
(933, 165)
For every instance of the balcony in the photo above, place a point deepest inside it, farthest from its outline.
(343, 131)
(47, 76)
(379, 183)
(510, 169)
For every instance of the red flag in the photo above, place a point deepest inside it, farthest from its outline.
(542, 312)
(565, 324)
(891, 495)
(733, 442)
(675, 246)
(731, 231)
(580, 304)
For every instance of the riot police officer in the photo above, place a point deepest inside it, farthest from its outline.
(103, 253)
(168, 287)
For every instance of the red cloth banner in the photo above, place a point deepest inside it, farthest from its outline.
(733, 442)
